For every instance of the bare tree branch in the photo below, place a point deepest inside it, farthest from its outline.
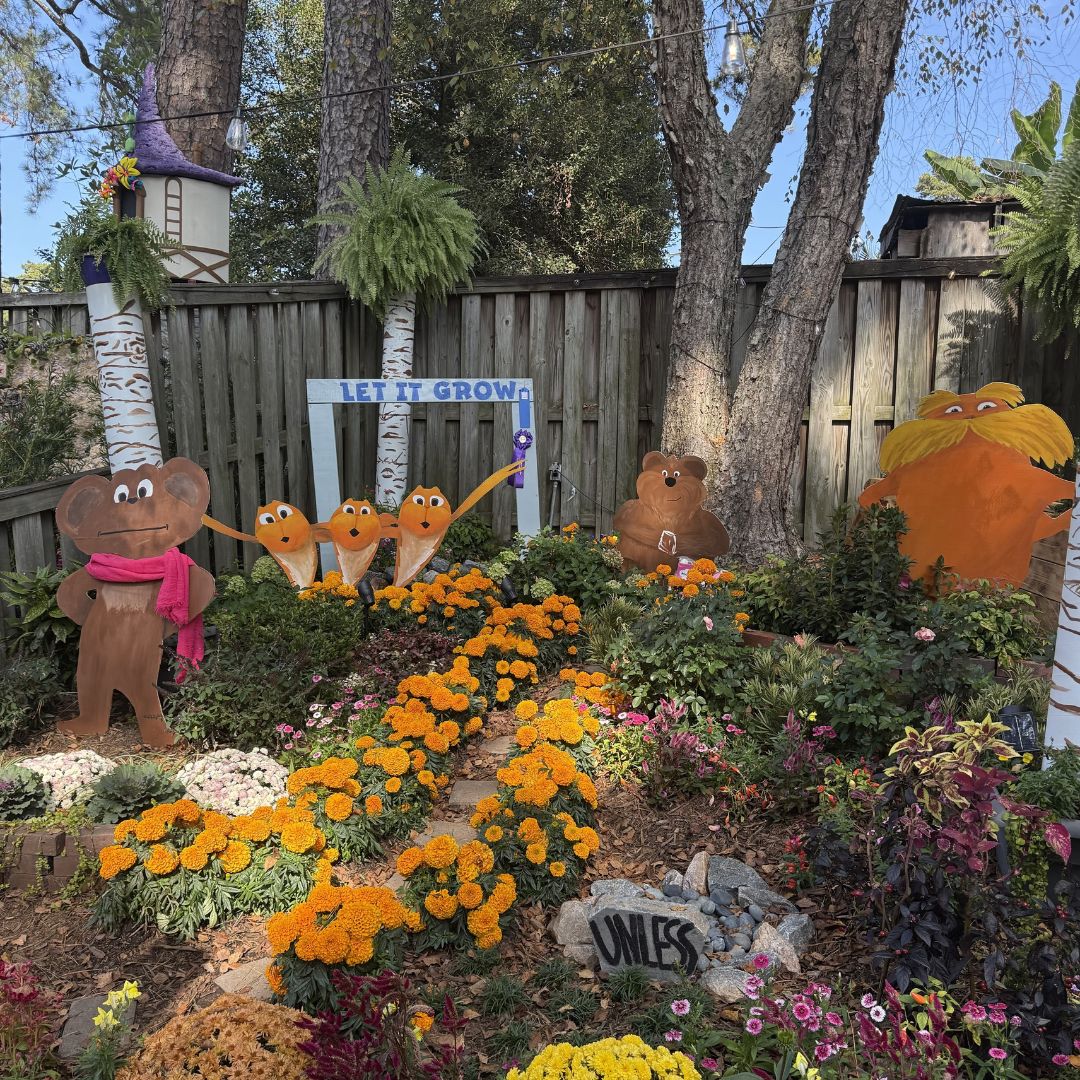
(55, 15)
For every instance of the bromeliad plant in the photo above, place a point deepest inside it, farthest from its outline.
(460, 897)
(183, 868)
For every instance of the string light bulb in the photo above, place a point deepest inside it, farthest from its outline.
(238, 133)
(733, 56)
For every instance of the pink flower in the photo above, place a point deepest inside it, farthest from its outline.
(834, 1019)
(708, 623)
(680, 1007)
(754, 1025)
(905, 580)
(674, 1035)
(868, 1001)
(877, 1013)
(316, 678)
(286, 729)
(761, 961)
(924, 633)
(731, 729)
(801, 1011)
(997, 1053)
(709, 1064)
(1060, 1059)
(973, 1011)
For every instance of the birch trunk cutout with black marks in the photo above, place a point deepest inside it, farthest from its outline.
(392, 461)
(127, 397)
(1063, 718)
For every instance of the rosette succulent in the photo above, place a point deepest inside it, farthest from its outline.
(233, 781)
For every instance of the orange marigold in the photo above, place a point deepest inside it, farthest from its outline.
(114, 860)
(162, 860)
(338, 806)
(440, 851)
(235, 857)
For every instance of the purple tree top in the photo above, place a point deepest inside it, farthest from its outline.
(155, 150)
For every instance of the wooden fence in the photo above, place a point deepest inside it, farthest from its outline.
(229, 363)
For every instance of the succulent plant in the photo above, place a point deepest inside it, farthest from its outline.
(22, 794)
(128, 790)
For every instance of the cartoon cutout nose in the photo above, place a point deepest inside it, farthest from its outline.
(425, 524)
(669, 480)
(354, 532)
(131, 499)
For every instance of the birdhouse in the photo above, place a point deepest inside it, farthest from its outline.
(186, 200)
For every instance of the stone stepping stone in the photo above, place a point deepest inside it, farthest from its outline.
(470, 792)
(500, 746)
(249, 978)
(79, 1024)
(461, 831)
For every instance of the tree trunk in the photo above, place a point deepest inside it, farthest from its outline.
(355, 131)
(717, 175)
(392, 462)
(127, 398)
(761, 452)
(198, 70)
(1063, 718)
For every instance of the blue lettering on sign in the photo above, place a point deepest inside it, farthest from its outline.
(442, 390)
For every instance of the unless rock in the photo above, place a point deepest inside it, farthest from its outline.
(769, 940)
(580, 954)
(726, 983)
(764, 898)
(672, 885)
(730, 874)
(571, 925)
(697, 873)
(615, 887)
(798, 929)
(663, 937)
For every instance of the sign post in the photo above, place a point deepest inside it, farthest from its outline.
(324, 394)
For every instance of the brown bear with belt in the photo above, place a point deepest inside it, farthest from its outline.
(668, 519)
(136, 589)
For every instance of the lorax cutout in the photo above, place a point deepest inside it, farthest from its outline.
(963, 475)
(668, 519)
(136, 588)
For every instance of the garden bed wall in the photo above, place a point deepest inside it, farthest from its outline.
(229, 362)
(47, 859)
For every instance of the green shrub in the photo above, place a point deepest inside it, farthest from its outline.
(998, 623)
(469, 538)
(1056, 789)
(22, 794)
(780, 680)
(28, 690)
(128, 790)
(238, 697)
(607, 625)
(672, 654)
(39, 628)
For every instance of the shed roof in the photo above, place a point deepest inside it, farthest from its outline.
(155, 150)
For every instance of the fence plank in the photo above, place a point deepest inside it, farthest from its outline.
(152, 333)
(830, 386)
(874, 364)
(218, 425)
(32, 542)
(539, 366)
(627, 415)
(267, 350)
(604, 485)
(468, 422)
(293, 375)
(242, 375)
(915, 347)
(572, 435)
(502, 503)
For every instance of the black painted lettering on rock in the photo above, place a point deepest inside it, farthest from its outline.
(630, 941)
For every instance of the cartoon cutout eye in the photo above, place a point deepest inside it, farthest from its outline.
(955, 409)
(348, 508)
(663, 472)
(436, 501)
(266, 519)
(145, 489)
(364, 510)
(676, 473)
(284, 512)
(418, 499)
(984, 405)
(120, 494)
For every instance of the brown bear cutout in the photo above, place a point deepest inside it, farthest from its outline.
(668, 519)
(138, 514)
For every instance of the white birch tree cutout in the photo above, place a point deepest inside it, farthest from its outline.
(1063, 718)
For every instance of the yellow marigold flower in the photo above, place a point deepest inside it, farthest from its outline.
(493, 834)
(394, 761)
(212, 840)
(338, 806)
(115, 860)
(470, 895)
(526, 710)
(413, 921)
(365, 742)
(194, 857)
(186, 811)
(235, 857)
(536, 853)
(161, 860)
(373, 805)
(473, 725)
(441, 904)
(281, 930)
(440, 851)
(393, 785)
(124, 829)
(299, 837)
(360, 952)
(409, 860)
(526, 736)
(557, 869)
(426, 777)
(581, 850)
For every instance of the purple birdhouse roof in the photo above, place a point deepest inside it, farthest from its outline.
(155, 150)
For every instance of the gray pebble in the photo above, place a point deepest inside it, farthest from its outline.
(721, 898)
(746, 921)
(703, 963)
(707, 907)
(672, 888)
(755, 913)
(741, 940)
(689, 894)
(737, 955)
(731, 922)
(654, 892)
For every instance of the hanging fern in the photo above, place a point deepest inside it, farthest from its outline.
(133, 250)
(403, 232)
(1040, 244)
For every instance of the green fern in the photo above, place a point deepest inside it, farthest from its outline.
(133, 250)
(1040, 244)
(402, 232)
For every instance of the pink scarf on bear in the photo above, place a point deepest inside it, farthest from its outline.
(171, 569)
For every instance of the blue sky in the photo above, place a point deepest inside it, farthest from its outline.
(967, 118)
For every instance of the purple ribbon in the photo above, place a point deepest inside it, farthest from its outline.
(522, 441)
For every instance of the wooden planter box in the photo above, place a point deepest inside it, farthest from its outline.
(49, 858)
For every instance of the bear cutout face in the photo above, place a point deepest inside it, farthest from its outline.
(139, 513)
(672, 487)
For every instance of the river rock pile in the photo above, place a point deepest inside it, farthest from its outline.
(714, 918)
